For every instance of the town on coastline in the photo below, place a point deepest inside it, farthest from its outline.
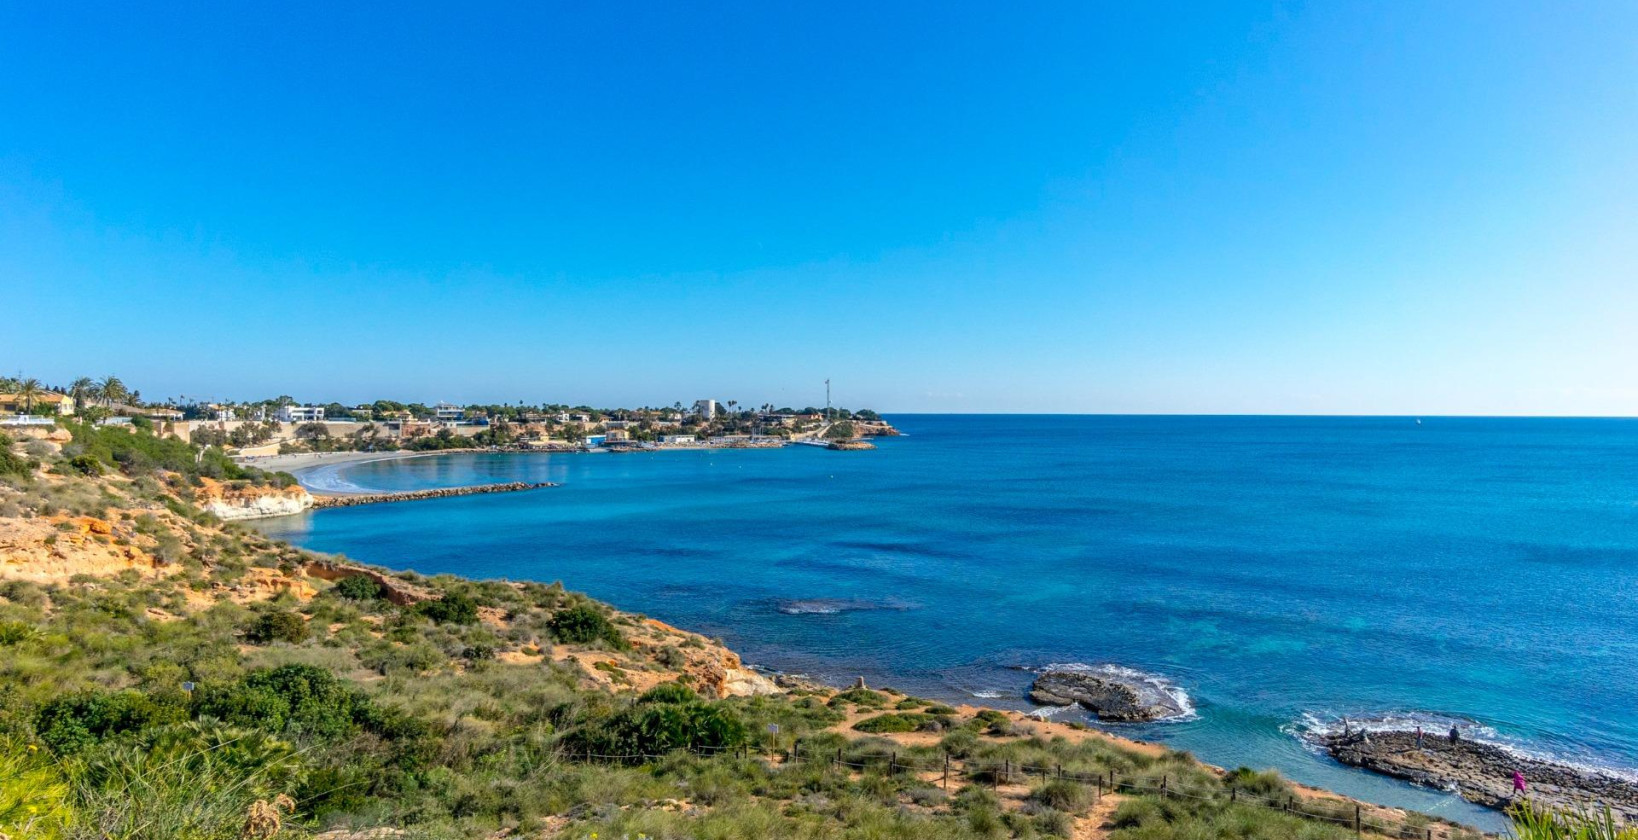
(284, 426)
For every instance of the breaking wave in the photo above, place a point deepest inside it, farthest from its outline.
(835, 606)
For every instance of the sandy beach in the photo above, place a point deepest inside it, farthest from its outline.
(296, 463)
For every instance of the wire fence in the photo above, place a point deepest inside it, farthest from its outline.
(1005, 772)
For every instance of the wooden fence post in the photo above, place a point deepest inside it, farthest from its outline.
(946, 771)
(1163, 778)
(1358, 823)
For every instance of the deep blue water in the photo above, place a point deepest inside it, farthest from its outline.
(1276, 569)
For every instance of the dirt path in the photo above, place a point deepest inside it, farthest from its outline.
(1095, 825)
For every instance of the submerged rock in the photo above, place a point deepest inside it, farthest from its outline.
(1110, 696)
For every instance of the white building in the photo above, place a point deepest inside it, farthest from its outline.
(445, 411)
(706, 409)
(300, 414)
(677, 440)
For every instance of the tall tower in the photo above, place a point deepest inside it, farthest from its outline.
(827, 400)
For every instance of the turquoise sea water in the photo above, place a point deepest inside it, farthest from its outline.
(1281, 572)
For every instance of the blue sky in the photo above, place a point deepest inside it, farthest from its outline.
(1314, 208)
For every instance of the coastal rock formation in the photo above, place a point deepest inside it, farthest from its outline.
(1110, 696)
(50, 549)
(1480, 772)
(439, 493)
(227, 502)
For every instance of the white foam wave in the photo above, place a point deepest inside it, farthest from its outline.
(327, 479)
(1158, 682)
(988, 694)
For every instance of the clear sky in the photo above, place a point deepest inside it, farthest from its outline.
(1415, 208)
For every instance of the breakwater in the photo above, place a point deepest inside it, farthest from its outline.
(416, 495)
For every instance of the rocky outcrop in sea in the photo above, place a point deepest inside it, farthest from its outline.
(1111, 695)
(1481, 772)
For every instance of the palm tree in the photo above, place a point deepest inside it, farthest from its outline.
(112, 390)
(83, 390)
(30, 390)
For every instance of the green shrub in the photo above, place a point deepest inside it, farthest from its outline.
(583, 624)
(668, 717)
(70, 724)
(360, 588)
(669, 693)
(85, 465)
(292, 698)
(1073, 797)
(277, 626)
(861, 696)
(893, 722)
(13, 464)
(454, 608)
(16, 632)
(671, 657)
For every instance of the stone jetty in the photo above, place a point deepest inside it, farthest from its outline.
(414, 495)
(1482, 773)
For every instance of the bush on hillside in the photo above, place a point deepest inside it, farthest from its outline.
(85, 465)
(298, 699)
(860, 696)
(70, 724)
(1058, 794)
(893, 722)
(277, 626)
(360, 588)
(668, 717)
(13, 464)
(583, 624)
(454, 608)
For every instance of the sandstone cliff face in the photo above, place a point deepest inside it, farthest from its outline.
(228, 503)
(56, 548)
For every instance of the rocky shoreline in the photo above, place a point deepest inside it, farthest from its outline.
(415, 495)
(1479, 772)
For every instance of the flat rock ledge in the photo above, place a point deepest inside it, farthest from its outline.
(413, 495)
(1111, 697)
(1482, 773)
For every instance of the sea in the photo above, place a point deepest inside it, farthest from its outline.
(1276, 574)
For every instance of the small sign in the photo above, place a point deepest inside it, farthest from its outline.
(773, 729)
(188, 687)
